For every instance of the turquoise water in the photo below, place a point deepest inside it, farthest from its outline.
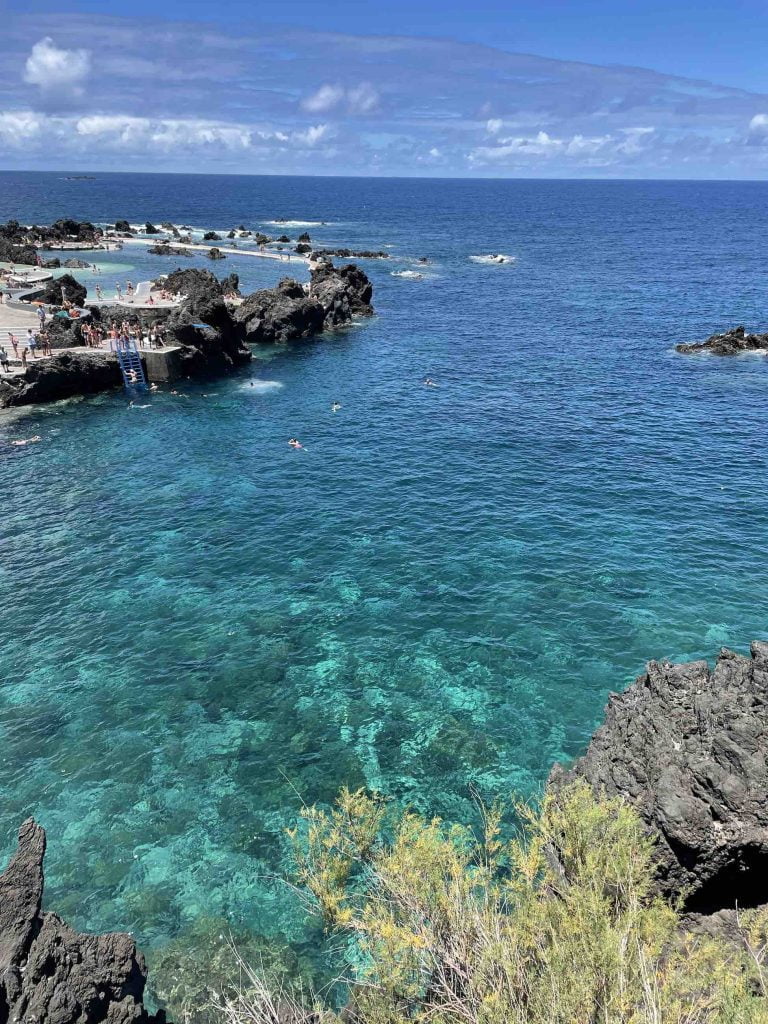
(203, 628)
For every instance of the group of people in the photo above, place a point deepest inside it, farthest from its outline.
(130, 294)
(125, 334)
(25, 347)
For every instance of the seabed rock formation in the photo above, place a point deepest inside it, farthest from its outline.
(687, 746)
(731, 343)
(51, 974)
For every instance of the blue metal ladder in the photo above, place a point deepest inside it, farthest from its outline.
(131, 368)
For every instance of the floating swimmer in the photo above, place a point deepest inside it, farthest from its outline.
(428, 382)
(336, 406)
(26, 440)
(294, 443)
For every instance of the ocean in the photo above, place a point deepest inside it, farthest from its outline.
(203, 630)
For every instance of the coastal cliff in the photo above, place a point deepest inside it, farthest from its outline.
(686, 745)
(51, 973)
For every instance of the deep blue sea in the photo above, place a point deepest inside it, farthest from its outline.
(202, 629)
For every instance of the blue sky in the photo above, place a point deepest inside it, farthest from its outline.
(552, 89)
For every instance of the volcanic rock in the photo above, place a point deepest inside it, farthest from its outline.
(280, 314)
(687, 746)
(731, 343)
(64, 287)
(50, 973)
(343, 292)
(61, 376)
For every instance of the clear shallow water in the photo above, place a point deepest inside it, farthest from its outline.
(203, 628)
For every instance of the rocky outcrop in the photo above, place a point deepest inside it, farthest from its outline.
(291, 311)
(50, 973)
(63, 375)
(284, 313)
(343, 292)
(64, 287)
(202, 324)
(350, 254)
(731, 343)
(215, 254)
(687, 746)
(75, 264)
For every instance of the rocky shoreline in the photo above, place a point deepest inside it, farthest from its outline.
(209, 334)
(684, 744)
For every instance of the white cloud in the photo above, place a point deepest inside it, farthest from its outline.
(326, 98)
(585, 148)
(757, 134)
(360, 99)
(494, 125)
(164, 133)
(19, 127)
(311, 136)
(435, 152)
(55, 70)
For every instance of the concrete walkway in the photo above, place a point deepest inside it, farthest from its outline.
(283, 257)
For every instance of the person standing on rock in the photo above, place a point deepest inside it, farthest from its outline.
(4, 364)
(32, 342)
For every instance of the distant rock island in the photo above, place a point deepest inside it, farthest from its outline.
(730, 343)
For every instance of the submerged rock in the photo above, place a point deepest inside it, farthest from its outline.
(49, 972)
(687, 746)
(731, 343)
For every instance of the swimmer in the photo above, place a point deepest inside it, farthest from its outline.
(294, 443)
(28, 440)
(336, 406)
(428, 382)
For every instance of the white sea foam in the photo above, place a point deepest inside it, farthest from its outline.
(298, 223)
(260, 387)
(410, 275)
(493, 258)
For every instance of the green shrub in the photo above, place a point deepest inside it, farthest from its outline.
(558, 926)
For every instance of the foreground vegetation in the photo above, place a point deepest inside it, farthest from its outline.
(559, 925)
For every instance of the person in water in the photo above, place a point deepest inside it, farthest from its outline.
(294, 443)
(336, 406)
(429, 382)
(27, 440)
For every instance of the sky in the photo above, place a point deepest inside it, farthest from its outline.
(492, 88)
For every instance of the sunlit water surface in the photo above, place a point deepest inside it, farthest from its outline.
(202, 628)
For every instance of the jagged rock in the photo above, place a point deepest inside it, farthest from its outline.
(230, 285)
(64, 287)
(52, 264)
(347, 254)
(211, 236)
(215, 254)
(302, 248)
(76, 264)
(282, 238)
(123, 227)
(166, 249)
(218, 344)
(63, 375)
(343, 292)
(687, 746)
(50, 973)
(304, 237)
(284, 313)
(150, 229)
(167, 226)
(731, 343)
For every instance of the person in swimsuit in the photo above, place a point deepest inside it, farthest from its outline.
(294, 443)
